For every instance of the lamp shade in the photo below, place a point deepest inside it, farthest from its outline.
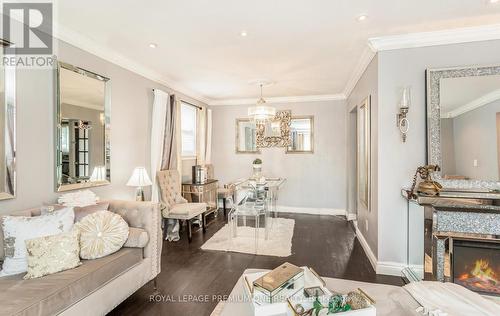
(139, 178)
(98, 174)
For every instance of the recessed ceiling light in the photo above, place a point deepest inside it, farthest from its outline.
(153, 45)
(362, 17)
(243, 33)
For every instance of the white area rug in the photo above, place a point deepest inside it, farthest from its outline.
(279, 243)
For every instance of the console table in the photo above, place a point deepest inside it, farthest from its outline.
(202, 193)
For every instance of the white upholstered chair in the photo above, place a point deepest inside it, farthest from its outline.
(173, 205)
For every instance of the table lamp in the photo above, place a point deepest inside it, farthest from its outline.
(139, 179)
(98, 174)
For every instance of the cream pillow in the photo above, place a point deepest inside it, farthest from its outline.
(51, 254)
(18, 229)
(101, 233)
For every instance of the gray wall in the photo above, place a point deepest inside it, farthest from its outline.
(475, 137)
(367, 219)
(398, 160)
(313, 180)
(131, 103)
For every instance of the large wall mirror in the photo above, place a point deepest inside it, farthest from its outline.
(7, 130)
(463, 107)
(246, 136)
(82, 137)
(276, 132)
(301, 135)
(363, 153)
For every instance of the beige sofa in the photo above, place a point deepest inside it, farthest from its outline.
(97, 286)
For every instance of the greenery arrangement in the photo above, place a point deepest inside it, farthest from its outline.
(336, 304)
(257, 161)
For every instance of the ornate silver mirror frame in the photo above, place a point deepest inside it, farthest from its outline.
(8, 130)
(434, 155)
(284, 119)
(101, 171)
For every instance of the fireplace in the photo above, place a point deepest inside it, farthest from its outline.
(476, 265)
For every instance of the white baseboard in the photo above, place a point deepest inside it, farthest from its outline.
(395, 268)
(369, 253)
(310, 210)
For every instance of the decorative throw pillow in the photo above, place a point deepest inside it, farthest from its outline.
(101, 234)
(82, 211)
(51, 254)
(17, 229)
(137, 238)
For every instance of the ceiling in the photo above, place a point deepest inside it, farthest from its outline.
(308, 47)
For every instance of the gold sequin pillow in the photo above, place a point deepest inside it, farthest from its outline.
(101, 233)
(51, 254)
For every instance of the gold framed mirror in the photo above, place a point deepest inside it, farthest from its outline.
(363, 157)
(301, 135)
(276, 132)
(82, 128)
(246, 136)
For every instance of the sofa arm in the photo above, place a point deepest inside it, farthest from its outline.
(145, 215)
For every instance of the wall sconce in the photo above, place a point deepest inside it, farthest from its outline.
(404, 105)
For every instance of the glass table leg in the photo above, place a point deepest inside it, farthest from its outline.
(256, 233)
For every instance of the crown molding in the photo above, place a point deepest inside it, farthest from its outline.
(76, 39)
(275, 100)
(365, 60)
(474, 104)
(444, 37)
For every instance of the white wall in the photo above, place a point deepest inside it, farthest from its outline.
(313, 180)
(398, 160)
(131, 103)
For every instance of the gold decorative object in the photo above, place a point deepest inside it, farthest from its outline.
(428, 186)
(276, 132)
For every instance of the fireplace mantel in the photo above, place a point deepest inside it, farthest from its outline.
(455, 215)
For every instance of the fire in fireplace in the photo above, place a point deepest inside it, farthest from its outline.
(476, 265)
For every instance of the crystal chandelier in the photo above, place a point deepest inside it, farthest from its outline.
(261, 112)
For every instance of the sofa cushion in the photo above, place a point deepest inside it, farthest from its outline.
(52, 294)
(137, 238)
(17, 229)
(102, 233)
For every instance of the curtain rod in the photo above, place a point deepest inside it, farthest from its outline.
(196, 106)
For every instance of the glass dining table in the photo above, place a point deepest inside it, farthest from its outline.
(272, 185)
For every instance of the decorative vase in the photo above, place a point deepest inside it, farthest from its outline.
(257, 170)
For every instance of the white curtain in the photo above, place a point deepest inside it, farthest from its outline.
(200, 152)
(208, 138)
(158, 122)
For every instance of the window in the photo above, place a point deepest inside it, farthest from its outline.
(188, 130)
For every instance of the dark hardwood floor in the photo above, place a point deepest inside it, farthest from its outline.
(326, 243)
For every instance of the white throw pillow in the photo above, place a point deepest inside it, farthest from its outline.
(101, 233)
(18, 229)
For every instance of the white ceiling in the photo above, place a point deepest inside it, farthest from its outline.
(309, 47)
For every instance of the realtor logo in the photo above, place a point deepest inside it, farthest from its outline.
(28, 26)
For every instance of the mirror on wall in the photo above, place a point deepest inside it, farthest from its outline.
(82, 138)
(276, 132)
(363, 155)
(246, 136)
(470, 126)
(463, 107)
(7, 130)
(301, 135)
